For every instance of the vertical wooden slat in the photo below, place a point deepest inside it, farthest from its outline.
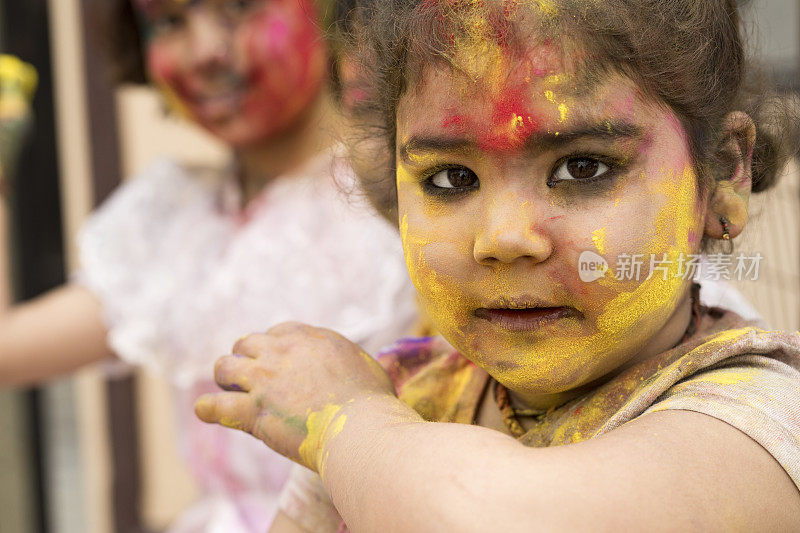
(105, 164)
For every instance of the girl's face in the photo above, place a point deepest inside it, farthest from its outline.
(511, 173)
(243, 69)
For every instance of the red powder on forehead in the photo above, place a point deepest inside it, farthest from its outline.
(511, 124)
(506, 128)
(454, 122)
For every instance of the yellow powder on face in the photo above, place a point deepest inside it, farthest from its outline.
(599, 239)
(566, 357)
(562, 110)
(322, 424)
(651, 302)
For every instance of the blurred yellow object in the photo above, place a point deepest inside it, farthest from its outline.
(18, 81)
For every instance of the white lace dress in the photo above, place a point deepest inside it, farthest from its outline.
(182, 273)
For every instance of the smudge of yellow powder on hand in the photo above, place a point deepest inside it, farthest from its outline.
(322, 425)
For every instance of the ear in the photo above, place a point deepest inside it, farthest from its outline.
(731, 193)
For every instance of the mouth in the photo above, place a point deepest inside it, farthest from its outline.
(215, 97)
(521, 316)
(218, 105)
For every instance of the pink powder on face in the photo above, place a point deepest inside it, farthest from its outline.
(694, 238)
(278, 35)
(286, 58)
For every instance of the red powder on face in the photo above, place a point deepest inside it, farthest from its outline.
(285, 57)
(506, 128)
(509, 114)
(453, 122)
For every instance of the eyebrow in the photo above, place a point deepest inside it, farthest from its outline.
(607, 130)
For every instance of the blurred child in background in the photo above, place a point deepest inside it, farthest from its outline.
(179, 261)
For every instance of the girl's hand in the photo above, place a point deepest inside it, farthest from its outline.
(291, 387)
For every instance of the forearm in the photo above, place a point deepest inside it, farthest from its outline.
(394, 472)
(52, 335)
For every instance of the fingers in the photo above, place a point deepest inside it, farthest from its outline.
(241, 411)
(253, 346)
(229, 409)
(275, 339)
(236, 373)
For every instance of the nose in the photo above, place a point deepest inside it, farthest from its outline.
(209, 40)
(509, 232)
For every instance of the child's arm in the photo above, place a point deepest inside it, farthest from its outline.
(388, 470)
(62, 330)
(680, 471)
(51, 335)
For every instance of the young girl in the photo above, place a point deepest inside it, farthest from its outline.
(180, 260)
(527, 134)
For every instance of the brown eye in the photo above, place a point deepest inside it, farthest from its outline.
(455, 178)
(582, 169)
(579, 169)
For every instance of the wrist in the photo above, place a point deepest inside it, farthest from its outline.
(348, 427)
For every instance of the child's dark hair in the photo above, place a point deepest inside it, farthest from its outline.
(688, 54)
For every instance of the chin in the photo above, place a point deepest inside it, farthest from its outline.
(237, 135)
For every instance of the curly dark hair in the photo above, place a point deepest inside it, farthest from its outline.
(688, 54)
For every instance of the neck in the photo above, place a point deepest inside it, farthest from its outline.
(264, 161)
(669, 336)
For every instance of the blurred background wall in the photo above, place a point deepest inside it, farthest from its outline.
(59, 468)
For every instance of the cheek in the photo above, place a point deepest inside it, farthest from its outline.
(164, 68)
(437, 263)
(648, 297)
(163, 65)
(283, 47)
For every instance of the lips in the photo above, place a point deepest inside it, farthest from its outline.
(522, 319)
(215, 96)
(218, 106)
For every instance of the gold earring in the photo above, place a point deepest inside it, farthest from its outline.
(726, 234)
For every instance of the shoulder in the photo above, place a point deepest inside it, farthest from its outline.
(161, 185)
(135, 216)
(757, 392)
(683, 469)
